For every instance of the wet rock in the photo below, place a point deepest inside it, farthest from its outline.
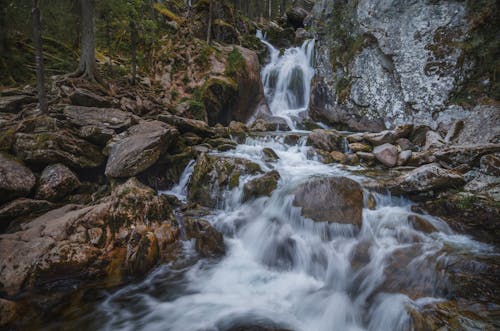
(270, 123)
(480, 183)
(208, 241)
(85, 98)
(352, 159)
(355, 138)
(221, 144)
(404, 157)
(433, 140)
(14, 103)
(490, 164)
(367, 157)
(465, 154)
(186, 125)
(63, 249)
(359, 147)
(56, 182)
(421, 224)
(22, 207)
(219, 96)
(212, 175)
(332, 199)
(269, 155)
(16, 180)
(426, 179)
(138, 148)
(386, 154)
(295, 17)
(327, 140)
(61, 146)
(191, 139)
(291, 139)
(261, 186)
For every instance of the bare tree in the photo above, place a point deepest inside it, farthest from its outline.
(87, 67)
(210, 14)
(37, 39)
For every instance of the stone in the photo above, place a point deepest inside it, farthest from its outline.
(22, 207)
(213, 174)
(404, 157)
(405, 144)
(291, 139)
(465, 154)
(56, 182)
(433, 140)
(61, 146)
(269, 155)
(270, 123)
(388, 136)
(327, 140)
(261, 186)
(14, 103)
(421, 224)
(351, 159)
(103, 118)
(8, 312)
(16, 180)
(420, 158)
(359, 147)
(185, 125)
(139, 148)
(418, 134)
(85, 98)
(295, 17)
(454, 131)
(208, 241)
(368, 157)
(425, 179)
(386, 154)
(482, 126)
(331, 199)
(490, 164)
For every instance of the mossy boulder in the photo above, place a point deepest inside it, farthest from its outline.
(219, 95)
(261, 186)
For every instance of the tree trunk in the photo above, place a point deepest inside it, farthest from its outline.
(210, 14)
(133, 39)
(37, 39)
(87, 67)
(3, 28)
(108, 42)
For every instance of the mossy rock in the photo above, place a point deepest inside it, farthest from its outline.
(219, 96)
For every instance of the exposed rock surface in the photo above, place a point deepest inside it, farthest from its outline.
(387, 154)
(81, 97)
(103, 118)
(16, 180)
(332, 199)
(56, 182)
(21, 207)
(328, 140)
(138, 148)
(14, 103)
(425, 179)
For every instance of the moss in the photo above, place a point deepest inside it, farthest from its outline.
(235, 63)
(7, 139)
(167, 13)
(197, 110)
(234, 181)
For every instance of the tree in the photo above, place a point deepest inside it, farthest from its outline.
(37, 39)
(87, 68)
(210, 14)
(133, 41)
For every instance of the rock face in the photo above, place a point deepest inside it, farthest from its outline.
(56, 182)
(124, 234)
(15, 179)
(212, 174)
(138, 148)
(424, 179)
(333, 199)
(404, 72)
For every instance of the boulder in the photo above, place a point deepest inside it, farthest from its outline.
(420, 158)
(22, 207)
(14, 103)
(386, 154)
(269, 155)
(8, 312)
(328, 140)
(367, 157)
(418, 134)
(74, 245)
(219, 95)
(81, 97)
(270, 123)
(426, 179)
(208, 241)
(56, 182)
(388, 136)
(433, 140)
(295, 17)
(185, 125)
(16, 180)
(213, 174)
(466, 154)
(359, 147)
(405, 144)
(103, 118)
(481, 127)
(261, 186)
(138, 148)
(331, 199)
(404, 157)
(62, 146)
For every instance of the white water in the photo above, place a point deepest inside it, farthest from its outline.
(180, 190)
(287, 79)
(283, 270)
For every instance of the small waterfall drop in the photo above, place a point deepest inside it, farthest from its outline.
(287, 79)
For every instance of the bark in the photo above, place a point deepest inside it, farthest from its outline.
(108, 42)
(133, 39)
(37, 39)
(87, 68)
(210, 14)
(3, 28)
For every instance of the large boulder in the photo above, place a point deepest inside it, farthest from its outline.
(295, 17)
(56, 182)
(328, 140)
(212, 175)
(426, 179)
(219, 96)
(331, 199)
(208, 241)
(16, 180)
(124, 234)
(138, 148)
(62, 146)
(387, 154)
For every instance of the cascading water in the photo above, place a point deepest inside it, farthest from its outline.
(284, 271)
(287, 79)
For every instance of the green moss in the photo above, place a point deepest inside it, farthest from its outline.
(167, 13)
(197, 110)
(235, 63)
(234, 181)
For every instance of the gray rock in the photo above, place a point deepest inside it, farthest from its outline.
(386, 154)
(328, 140)
(332, 199)
(465, 154)
(405, 144)
(404, 157)
(270, 123)
(56, 182)
(490, 164)
(14, 103)
(388, 136)
(22, 207)
(481, 127)
(138, 148)
(454, 131)
(16, 180)
(433, 140)
(104, 118)
(185, 125)
(295, 17)
(81, 97)
(426, 178)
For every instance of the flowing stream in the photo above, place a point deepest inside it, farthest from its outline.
(284, 271)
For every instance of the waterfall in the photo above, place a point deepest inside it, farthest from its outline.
(287, 79)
